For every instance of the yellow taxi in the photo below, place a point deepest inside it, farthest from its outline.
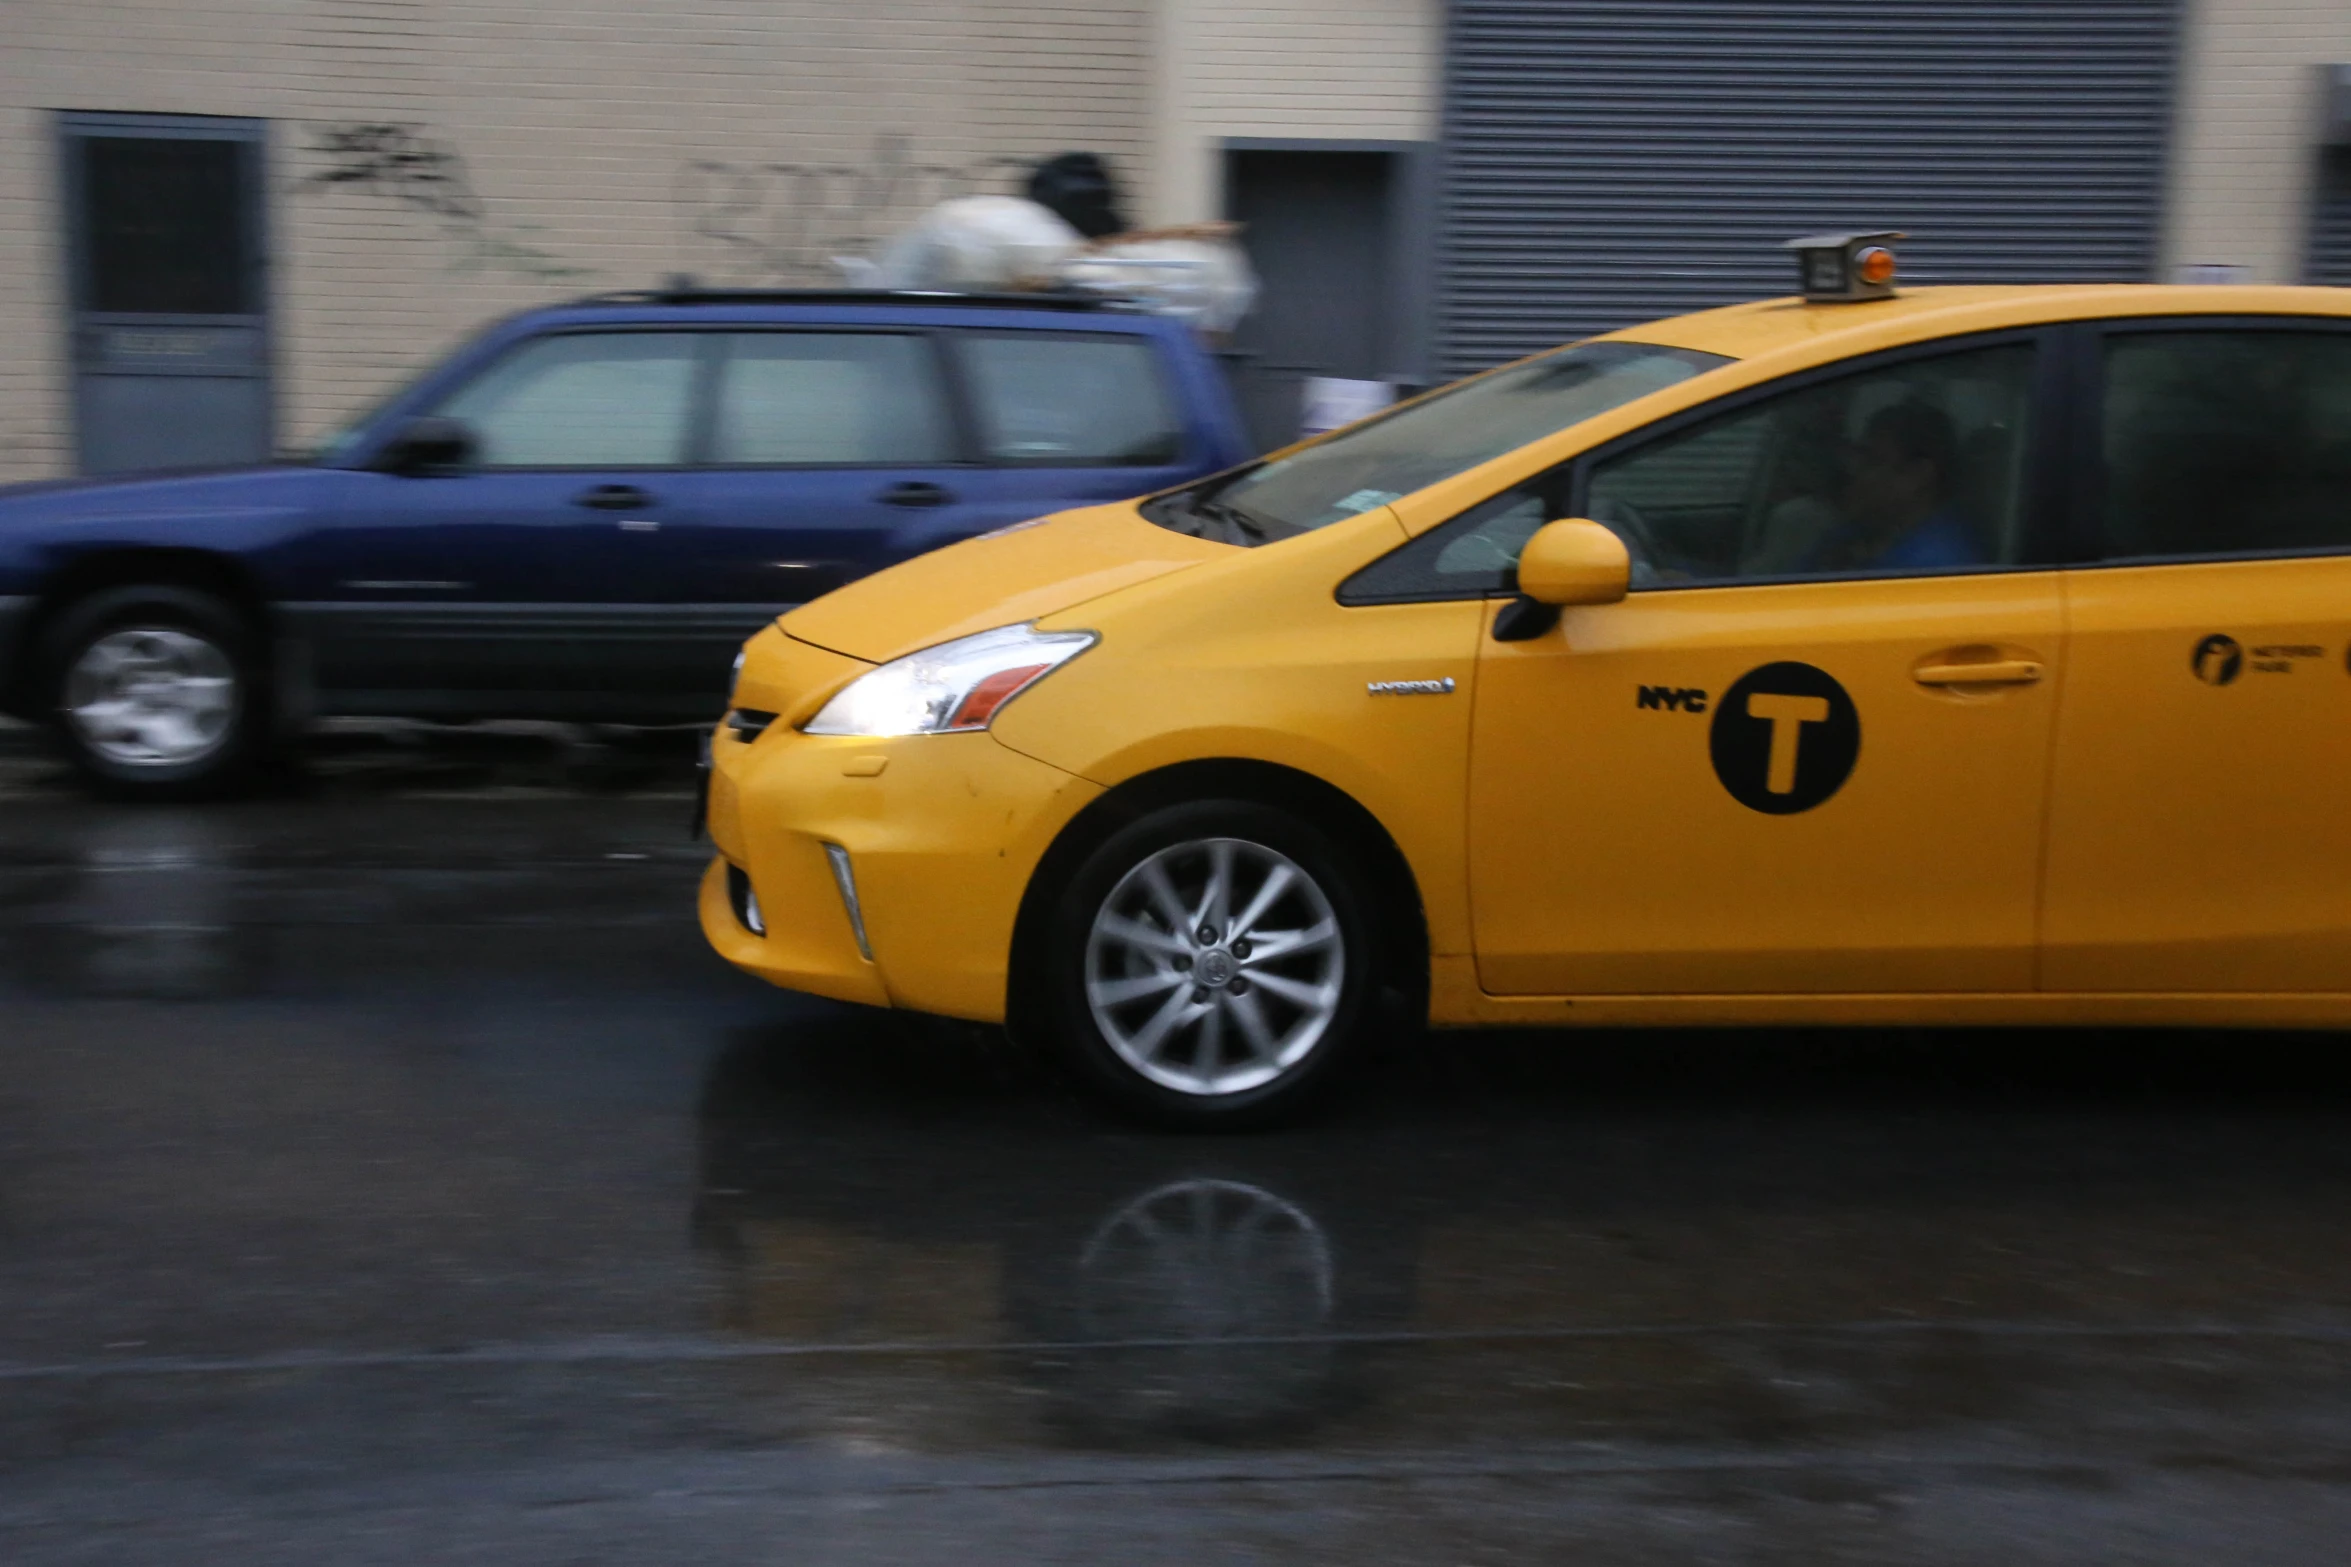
(1953, 655)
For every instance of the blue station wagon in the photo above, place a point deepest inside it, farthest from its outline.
(580, 515)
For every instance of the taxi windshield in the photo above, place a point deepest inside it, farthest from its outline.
(1389, 457)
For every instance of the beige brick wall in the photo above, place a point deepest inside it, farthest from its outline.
(1351, 69)
(32, 400)
(596, 144)
(2243, 155)
(1058, 75)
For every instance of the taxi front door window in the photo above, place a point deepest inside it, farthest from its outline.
(1913, 467)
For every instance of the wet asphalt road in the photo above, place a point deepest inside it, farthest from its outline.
(388, 1174)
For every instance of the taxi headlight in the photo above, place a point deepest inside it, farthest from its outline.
(955, 686)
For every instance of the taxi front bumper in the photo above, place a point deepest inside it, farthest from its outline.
(935, 836)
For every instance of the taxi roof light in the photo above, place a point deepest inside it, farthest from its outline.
(1843, 268)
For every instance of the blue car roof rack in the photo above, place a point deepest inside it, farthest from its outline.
(697, 295)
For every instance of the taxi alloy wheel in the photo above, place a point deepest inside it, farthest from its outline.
(1214, 960)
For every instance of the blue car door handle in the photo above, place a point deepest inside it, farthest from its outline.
(917, 492)
(613, 497)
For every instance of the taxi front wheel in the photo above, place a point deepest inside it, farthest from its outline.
(1209, 964)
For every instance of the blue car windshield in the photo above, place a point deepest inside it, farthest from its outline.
(1388, 457)
(336, 449)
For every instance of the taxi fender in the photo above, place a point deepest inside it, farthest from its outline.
(1252, 658)
(1386, 797)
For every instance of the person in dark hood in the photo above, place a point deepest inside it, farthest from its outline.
(1077, 187)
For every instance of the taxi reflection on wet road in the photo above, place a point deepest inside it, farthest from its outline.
(1696, 1246)
(398, 1168)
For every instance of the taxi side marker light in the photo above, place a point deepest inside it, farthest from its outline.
(846, 879)
(992, 692)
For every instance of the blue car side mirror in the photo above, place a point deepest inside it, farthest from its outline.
(430, 444)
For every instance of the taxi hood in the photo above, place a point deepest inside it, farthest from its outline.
(1003, 579)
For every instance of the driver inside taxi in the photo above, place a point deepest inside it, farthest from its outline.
(1899, 512)
(1887, 501)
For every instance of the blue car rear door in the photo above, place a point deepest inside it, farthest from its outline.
(823, 449)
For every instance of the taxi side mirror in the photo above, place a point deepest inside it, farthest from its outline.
(1574, 561)
(1568, 562)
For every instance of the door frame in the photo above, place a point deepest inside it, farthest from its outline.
(1408, 233)
(72, 125)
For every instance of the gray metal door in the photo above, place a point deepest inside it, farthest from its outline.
(2330, 221)
(164, 255)
(1315, 224)
(1610, 161)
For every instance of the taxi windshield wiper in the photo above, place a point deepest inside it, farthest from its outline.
(1233, 517)
(1204, 516)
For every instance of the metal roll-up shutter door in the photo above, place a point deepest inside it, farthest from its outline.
(1613, 161)
(2330, 221)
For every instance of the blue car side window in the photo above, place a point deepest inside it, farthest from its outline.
(869, 399)
(582, 400)
(1053, 397)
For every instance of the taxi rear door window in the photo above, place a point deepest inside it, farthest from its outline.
(2225, 442)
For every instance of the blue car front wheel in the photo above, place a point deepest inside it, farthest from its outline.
(156, 692)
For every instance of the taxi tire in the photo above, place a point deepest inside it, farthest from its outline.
(227, 768)
(1066, 1020)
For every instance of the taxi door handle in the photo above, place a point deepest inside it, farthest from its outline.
(2006, 672)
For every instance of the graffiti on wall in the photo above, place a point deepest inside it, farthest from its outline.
(786, 222)
(736, 222)
(403, 164)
